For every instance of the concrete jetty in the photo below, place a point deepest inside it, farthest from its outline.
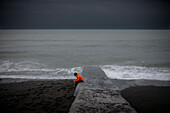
(98, 95)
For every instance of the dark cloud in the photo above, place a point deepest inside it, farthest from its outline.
(117, 14)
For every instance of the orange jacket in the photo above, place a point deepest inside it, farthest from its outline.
(79, 78)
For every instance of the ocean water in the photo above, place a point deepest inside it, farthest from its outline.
(57, 54)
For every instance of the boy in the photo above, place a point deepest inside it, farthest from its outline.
(78, 80)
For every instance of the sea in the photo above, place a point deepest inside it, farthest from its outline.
(59, 53)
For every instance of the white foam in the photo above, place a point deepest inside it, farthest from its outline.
(136, 72)
(8, 66)
(33, 70)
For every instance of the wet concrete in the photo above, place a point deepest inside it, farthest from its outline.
(98, 95)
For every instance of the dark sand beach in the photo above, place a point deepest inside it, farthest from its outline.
(56, 96)
(36, 96)
(148, 99)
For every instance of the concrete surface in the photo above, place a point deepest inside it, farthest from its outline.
(98, 95)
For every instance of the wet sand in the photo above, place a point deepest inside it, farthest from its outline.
(36, 96)
(148, 99)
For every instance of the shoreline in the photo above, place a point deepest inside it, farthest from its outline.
(18, 80)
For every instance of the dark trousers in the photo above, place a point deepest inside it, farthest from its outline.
(76, 83)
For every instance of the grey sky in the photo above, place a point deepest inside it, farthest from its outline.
(68, 14)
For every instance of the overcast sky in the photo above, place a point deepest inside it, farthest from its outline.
(87, 14)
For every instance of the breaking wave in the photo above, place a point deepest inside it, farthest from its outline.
(34, 70)
(136, 72)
